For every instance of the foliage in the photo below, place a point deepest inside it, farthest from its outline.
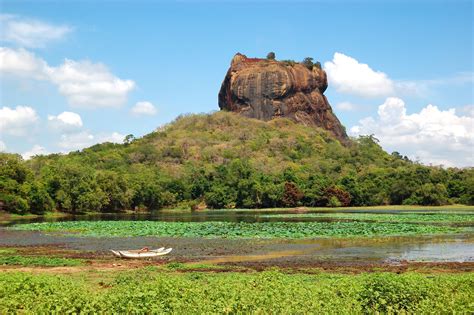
(271, 56)
(227, 161)
(240, 229)
(291, 195)
(308, 63)
(339, 196)
(289, 62)
(147, 291)
(39, 261)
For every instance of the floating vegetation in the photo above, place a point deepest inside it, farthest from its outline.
(239, 229)
(385, 217)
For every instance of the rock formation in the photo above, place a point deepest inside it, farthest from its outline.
(265, 89)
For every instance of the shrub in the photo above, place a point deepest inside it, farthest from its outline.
(271, 56)
(308, 62)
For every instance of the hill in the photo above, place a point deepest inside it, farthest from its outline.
(225, 160)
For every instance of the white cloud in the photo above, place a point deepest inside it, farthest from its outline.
(22, 63)
(87, 84)
(345, 106)
(30, 33)
(432, 135)
(83, 83)
(349, 76)
(84, 139)
(65, 122)
(144, 108)
(3, 147)
(36, 150)
(17, 121)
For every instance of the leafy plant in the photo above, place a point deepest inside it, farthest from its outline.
(240, 229)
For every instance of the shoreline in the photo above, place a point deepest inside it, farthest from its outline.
(5, 217)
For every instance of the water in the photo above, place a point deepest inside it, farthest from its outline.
(448, 248)
(218, 215)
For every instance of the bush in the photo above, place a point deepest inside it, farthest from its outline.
(334, 202)
(339, 197)
(308, 63)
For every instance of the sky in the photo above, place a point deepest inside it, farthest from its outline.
(77, 73)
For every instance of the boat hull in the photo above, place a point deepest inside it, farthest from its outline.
(141, 254)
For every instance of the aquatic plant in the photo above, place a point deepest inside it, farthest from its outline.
(238, 229)
(430, 217)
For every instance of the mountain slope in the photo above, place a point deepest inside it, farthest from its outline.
(226, 160)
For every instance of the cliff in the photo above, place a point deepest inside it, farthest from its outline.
(265, 89)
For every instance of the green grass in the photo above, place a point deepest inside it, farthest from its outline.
(147, 291)
(37, 261)
(239, 229)
(7, 251)
(11, 257)
(431, 217)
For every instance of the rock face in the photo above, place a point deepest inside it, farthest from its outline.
(265, 89)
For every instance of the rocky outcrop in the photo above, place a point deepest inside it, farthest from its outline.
(265, 89)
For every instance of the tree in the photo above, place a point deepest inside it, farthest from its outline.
(39, 200)
(308, 63)
(314, 189)
(429, 195)
(129, 139)
(116, 191)
(78, 189)
(271, 56)
(338, 193)
(219, 197)
(291, 195)
(13, 176)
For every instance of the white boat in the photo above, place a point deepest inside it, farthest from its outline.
(141, 253)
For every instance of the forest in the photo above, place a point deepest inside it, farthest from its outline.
(222, 160)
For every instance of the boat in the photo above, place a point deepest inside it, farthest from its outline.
(141, 253)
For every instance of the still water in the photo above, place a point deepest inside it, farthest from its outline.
(449, 248)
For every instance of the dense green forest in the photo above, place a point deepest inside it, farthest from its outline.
(223, 160)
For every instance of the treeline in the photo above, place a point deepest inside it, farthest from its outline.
(75, 188)
(214, 161)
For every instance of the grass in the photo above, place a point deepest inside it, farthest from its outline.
(39, 261)
(152, 291)
(292, 230)
(11, 257)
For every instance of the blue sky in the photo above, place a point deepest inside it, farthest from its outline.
(396, 68)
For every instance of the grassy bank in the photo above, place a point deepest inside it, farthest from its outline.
(151, 291)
